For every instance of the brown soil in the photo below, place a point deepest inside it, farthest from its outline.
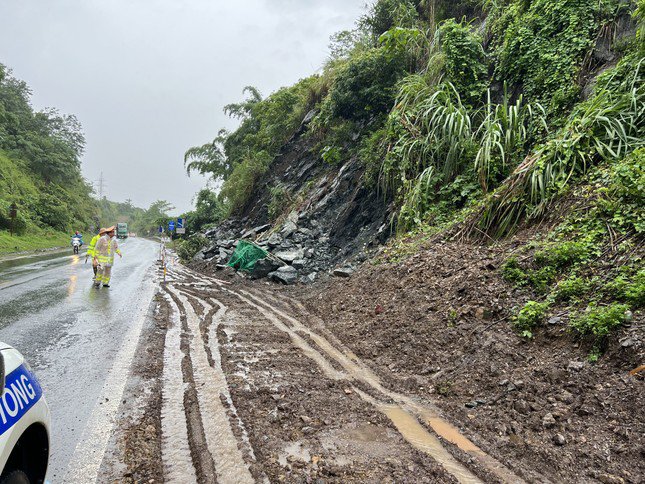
(434, 327)
(304, 426)
(136, 447)
(437, 326)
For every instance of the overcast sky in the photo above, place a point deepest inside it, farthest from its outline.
(149, 78)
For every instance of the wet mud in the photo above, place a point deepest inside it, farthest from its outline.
(326, 390)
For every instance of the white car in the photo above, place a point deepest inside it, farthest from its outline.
(24, 421)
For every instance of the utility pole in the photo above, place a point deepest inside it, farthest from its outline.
(102, 186)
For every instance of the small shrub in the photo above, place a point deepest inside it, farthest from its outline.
(239, 186)
(366, 85)
(572, 287)
(530, 316)
(280, 199)
(635, 292)
(542, 278)
(443, 388)
(563, 254)
(187, 248)
(594, 355)
(332, 155)
(599, 321)
(628, 288)
(512, 272)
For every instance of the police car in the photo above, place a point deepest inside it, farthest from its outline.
(24, 422)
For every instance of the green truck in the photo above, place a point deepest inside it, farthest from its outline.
(122, 230)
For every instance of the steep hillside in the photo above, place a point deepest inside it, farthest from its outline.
(424, 119)
(476, 177)
(40, 172)
(39, 164)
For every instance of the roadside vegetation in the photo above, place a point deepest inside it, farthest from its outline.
(40, 174)
(37, 240)
(481, 117)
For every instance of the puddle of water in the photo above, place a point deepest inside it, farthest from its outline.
(422, 440)
(368, 433)
(295, 450)
(410, 428)
(405, 422)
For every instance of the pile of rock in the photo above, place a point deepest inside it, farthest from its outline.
(298, 249)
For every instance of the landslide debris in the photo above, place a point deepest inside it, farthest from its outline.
(439, 325)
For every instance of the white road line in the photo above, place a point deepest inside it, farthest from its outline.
(86, 461)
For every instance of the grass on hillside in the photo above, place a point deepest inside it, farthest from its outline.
(32, 241)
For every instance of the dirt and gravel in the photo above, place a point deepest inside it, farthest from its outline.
(405, 372)
(437, 326)
(134, 453)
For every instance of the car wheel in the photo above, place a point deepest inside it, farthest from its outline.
(15, 477)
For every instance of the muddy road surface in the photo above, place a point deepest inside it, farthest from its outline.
(80, 341)
(237, 383)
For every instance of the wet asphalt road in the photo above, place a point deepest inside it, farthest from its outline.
(72, 334)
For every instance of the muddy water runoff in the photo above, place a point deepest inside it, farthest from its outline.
(406, 413)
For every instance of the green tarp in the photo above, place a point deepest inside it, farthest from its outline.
(246, 255)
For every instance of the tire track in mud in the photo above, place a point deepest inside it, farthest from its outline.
(175, 446)
(204, 467)
(210, 387)
(411, 418)
(405, 414)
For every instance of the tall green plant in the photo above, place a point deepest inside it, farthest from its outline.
(608, 126)
(434, 136)
(503, 133)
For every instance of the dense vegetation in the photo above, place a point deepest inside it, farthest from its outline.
(450, 109)
(481, 115)
(39, 164)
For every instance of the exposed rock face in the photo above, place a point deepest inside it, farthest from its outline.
(335, 221)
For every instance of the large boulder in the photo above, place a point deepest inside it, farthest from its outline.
(224, 255)
(255, 231)
(309, 278)
(211, 251)
(289, 256)
(286, 275)
(343, 272)
(288, 228)
(274, 240)
(263, 268)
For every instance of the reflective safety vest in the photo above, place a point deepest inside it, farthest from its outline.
(105, 249)
(92, 247)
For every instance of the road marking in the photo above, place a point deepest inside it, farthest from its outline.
(85, 463)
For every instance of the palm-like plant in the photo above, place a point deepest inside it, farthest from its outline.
(606, 127)
(209, 159)
(436, 137)
(502, 132)
(436, 131)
